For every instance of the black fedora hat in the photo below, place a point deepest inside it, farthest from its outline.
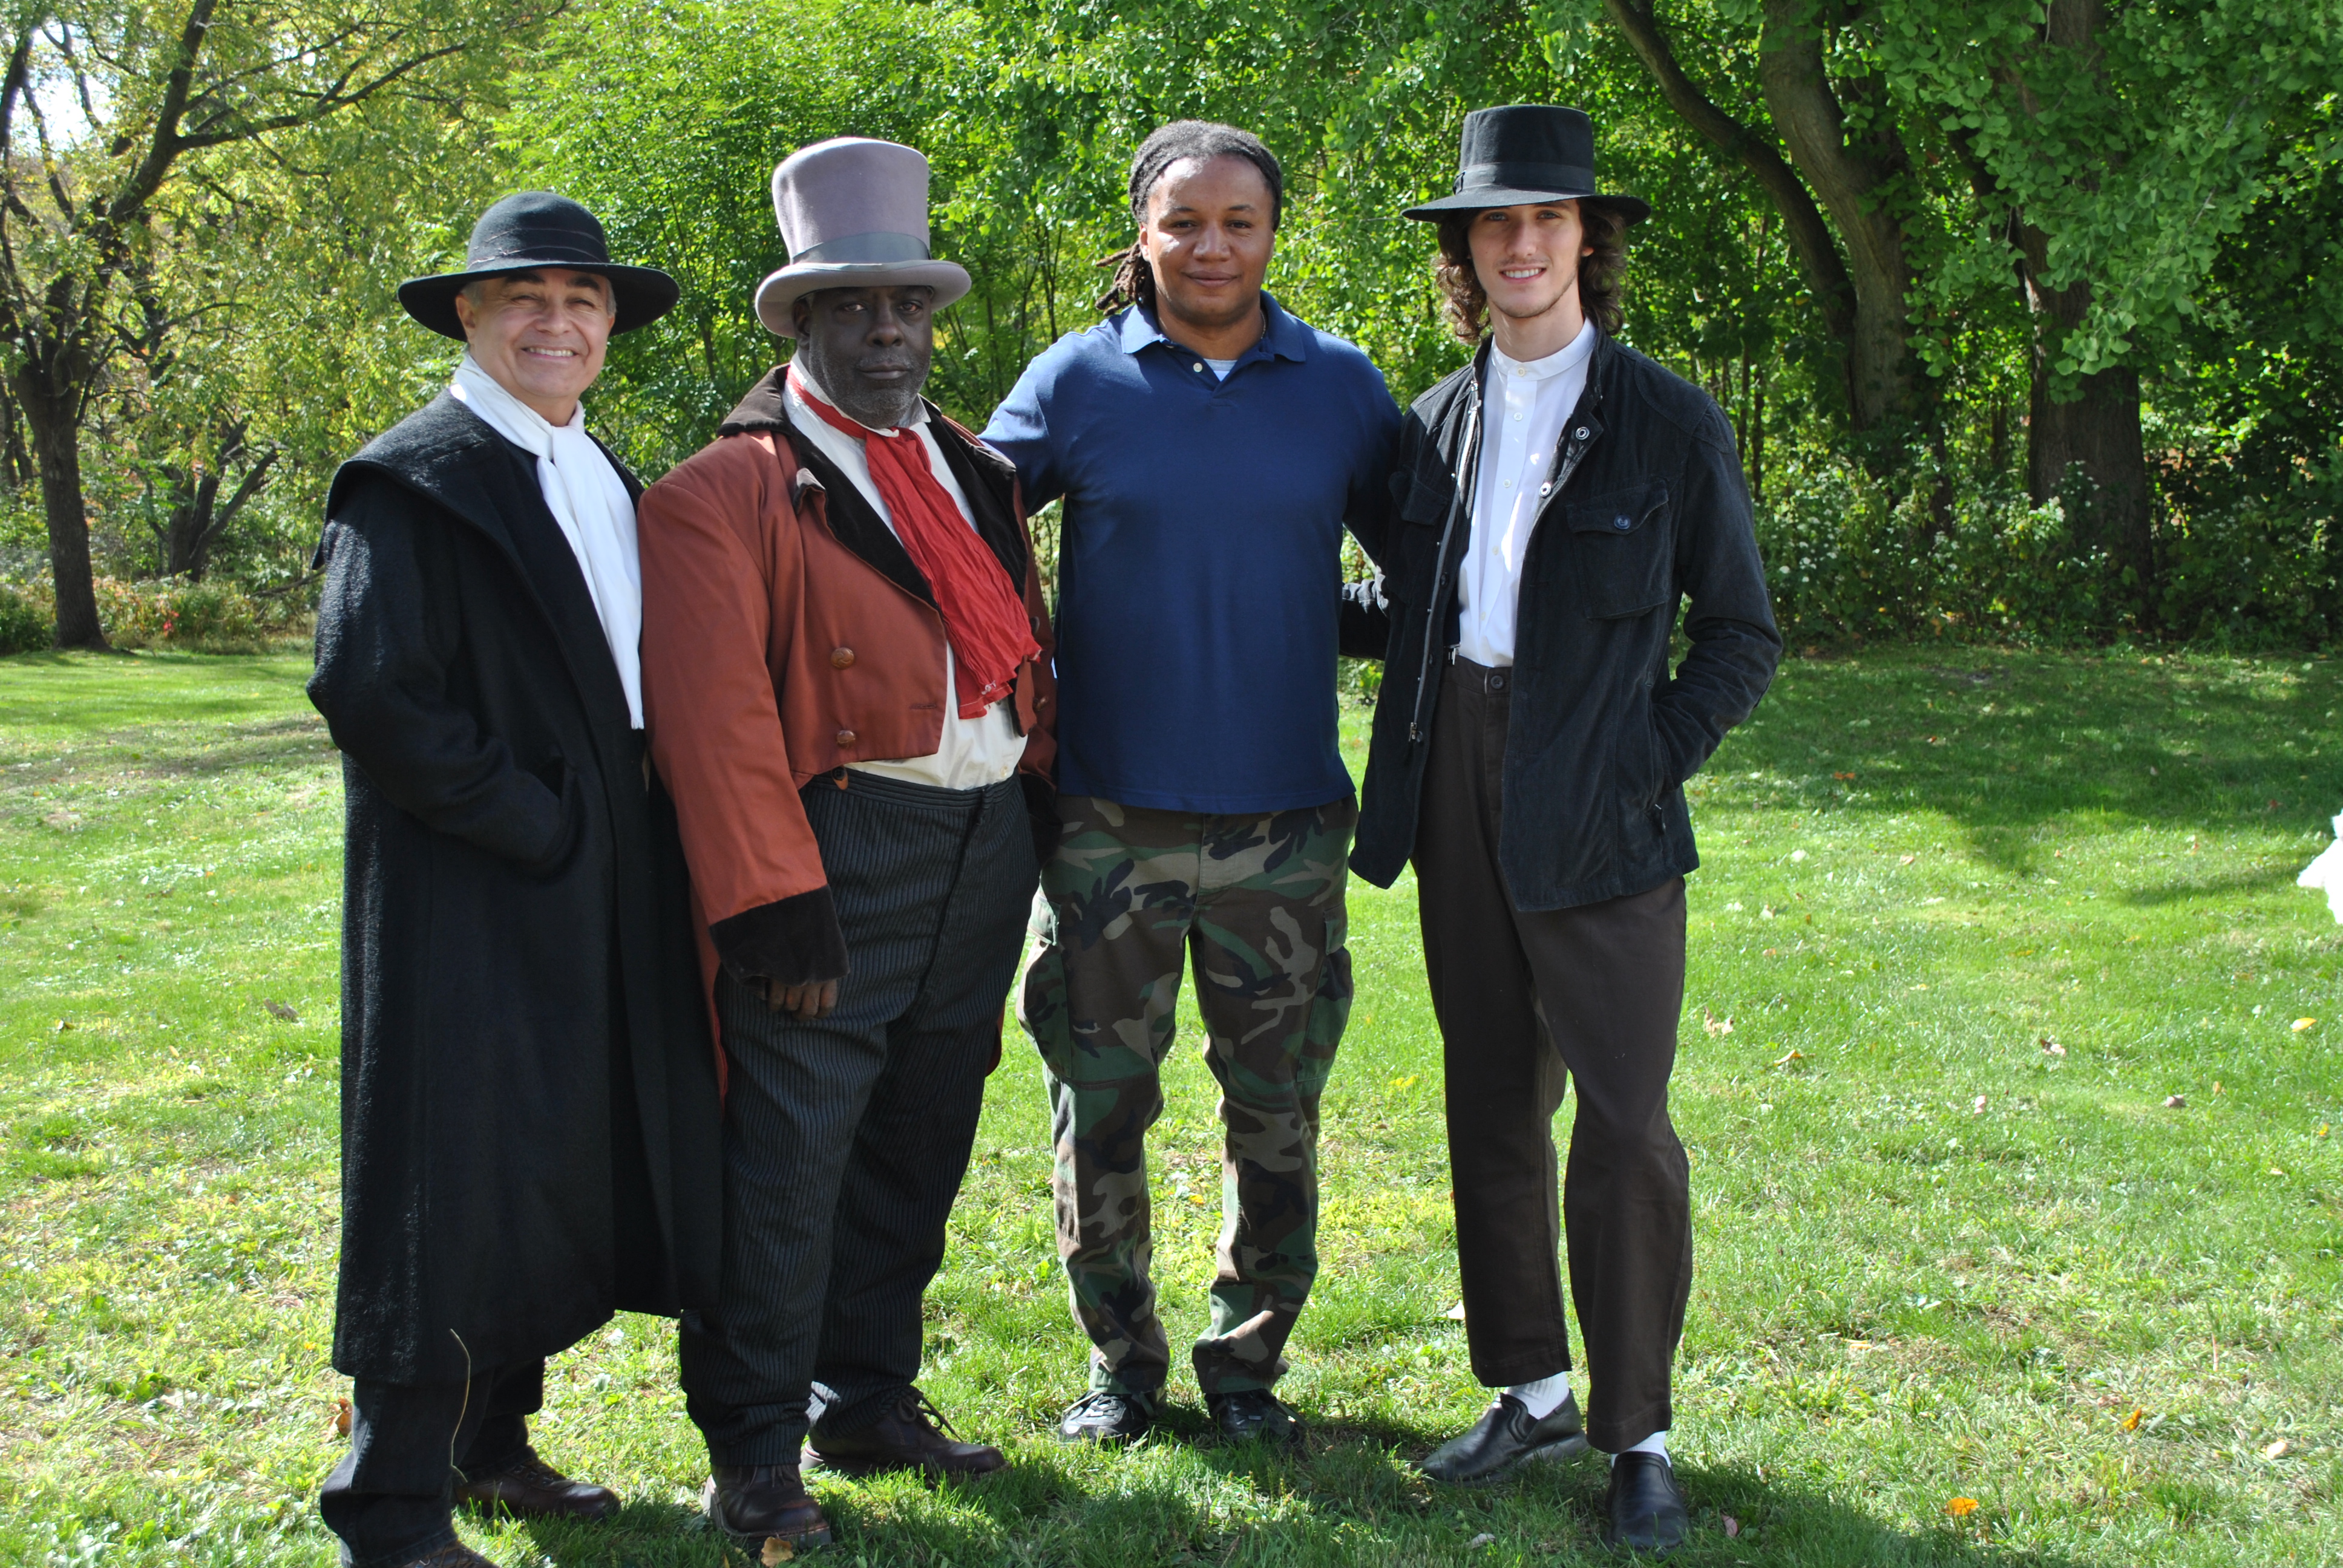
(1524, 153)
(530, 230)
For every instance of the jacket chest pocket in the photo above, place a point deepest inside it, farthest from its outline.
(1622, 549)
(1415, 541)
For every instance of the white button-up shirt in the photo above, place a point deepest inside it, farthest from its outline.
(1521, 419)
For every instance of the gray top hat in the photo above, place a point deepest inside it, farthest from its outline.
(854, 212)
(1522, 153)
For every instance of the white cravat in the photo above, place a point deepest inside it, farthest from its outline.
(590, 504)
(971, 752)
(1523, 411)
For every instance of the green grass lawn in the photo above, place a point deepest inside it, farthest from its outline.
(1974, 918)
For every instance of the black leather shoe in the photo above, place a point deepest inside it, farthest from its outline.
(911, 1434)
(1645, 1507)
(1506, 1435)
(1255, 1412)
(1105, 1415)
(754, 1503)
(529, 1488)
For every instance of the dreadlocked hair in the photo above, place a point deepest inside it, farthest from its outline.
(1203, 140)
(1465, 303)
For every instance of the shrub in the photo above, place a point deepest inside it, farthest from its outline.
(200, 617)
(25, 625)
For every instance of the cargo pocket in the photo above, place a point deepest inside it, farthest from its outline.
(1623, 550)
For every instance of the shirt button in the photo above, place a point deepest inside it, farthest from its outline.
(1509, 484)
(845, 738)
(1199, 365)
(840, 658)
(1517, 418)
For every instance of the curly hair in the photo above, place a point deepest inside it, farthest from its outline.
(1601, 274)
(1203, 140)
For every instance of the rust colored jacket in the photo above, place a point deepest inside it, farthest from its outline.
(786, 632)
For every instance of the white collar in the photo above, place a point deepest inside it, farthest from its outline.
(1570, 357)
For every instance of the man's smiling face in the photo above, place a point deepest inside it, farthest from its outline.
(539, 334)
(1526, 258)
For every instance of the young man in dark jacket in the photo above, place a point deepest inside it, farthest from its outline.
(1555, 499)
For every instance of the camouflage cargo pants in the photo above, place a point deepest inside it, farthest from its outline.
(1258, 900)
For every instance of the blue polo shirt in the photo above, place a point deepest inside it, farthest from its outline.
(1199, 557)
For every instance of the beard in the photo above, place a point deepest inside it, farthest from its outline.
(881, 404)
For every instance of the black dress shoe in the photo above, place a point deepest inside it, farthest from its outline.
(1645, 1507)
(1255, 1412)
(1105, 1415)
(1505, 1436)
(753, 1504)
(911, 1434)
(529, 1488)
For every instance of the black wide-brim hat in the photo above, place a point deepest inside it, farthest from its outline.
(529, 231)
(1524, 153)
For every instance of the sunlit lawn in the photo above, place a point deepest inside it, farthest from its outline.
(1973, 917)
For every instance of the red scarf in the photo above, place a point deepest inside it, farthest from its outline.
(984, 615)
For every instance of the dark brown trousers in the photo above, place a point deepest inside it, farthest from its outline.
(1527, 1003)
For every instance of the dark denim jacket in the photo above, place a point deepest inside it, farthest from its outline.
(1645, 507)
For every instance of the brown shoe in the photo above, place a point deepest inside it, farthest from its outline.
(529, 1488)
(754, 1503)
(911, 1434)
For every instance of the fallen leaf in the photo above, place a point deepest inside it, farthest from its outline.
(1714, 1025)
(776, 1551)
(1732, 1527)
(1961, 1507)
(1197, 1198)
(1842, 775)
(2052, 1047)
(1796, 855)
(63, 1024)
(2176, 1102)
(1793, 1056)
(1978, 1108)
(1483, 1539)
(2302, 1024)
(342, 1418)
(2131, 1422)
(2277, 1449)
(278, 1009)
(1456, 1314)
(2275, 1171)
(1407, 1082)
(2216, 1086)
(1908, 860)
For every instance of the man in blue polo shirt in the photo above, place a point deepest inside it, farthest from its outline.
(1210, 449)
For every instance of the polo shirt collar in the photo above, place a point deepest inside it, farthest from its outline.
(1282, 336)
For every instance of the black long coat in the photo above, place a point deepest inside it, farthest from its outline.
(530, 1116)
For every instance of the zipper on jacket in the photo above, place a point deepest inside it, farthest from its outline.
(1468, 476)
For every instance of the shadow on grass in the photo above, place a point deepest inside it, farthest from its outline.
(1350, 1500)
(2014, 742)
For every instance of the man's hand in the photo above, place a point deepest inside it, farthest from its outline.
(815, 999)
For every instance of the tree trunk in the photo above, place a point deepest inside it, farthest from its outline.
(2096, 430)
(55, 426)
(1884, 382)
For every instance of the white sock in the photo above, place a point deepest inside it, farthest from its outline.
(1656, 1444)
(1543, 1397)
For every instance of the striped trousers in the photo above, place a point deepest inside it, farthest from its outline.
(845, 1139)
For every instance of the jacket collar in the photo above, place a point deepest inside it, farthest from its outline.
(1283, 336)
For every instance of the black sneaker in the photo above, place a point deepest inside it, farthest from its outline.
(1105, 1415)
(1504, 1437)
(1250, 1413)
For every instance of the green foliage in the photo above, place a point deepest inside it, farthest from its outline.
(24, 623)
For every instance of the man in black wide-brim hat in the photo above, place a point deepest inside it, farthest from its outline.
(528, 1092)
(1557, 499)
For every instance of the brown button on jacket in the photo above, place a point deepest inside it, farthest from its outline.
(786, 632)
